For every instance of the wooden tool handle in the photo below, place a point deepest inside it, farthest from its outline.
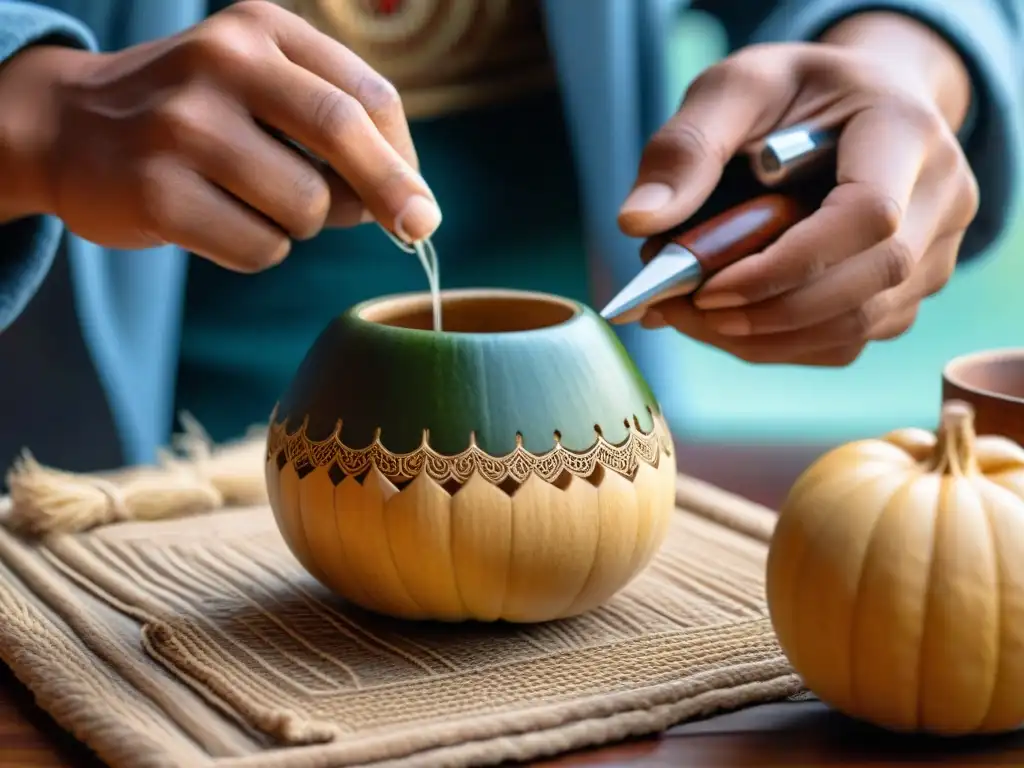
(741, 231)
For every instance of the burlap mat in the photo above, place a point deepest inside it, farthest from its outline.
(200, 641)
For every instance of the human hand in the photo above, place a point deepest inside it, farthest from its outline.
(885, 237)
(171, 141)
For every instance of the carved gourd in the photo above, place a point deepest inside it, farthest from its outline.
(514, 467)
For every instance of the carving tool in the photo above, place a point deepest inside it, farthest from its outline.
(688, 259)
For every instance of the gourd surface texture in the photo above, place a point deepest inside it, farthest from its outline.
(895, 579)
(515, 466)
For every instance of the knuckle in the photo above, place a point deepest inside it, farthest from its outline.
(901, 327)
(683, 140)
(311, 203)
(926, 122)
(806, 271)
(395, 176)
(751, 74)
(776, 290)
(181, 120)
(191, 54)
(939, 281)
(851, 68)
(881, 213)
(908, 322)
(223, 43)
(897, 325)
(336, 115)
(378, 95)
(708, 79)
(862, 321)
(896, 264)
(740, 72)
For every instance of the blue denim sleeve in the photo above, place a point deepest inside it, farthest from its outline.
(27, 246)
(989, 35)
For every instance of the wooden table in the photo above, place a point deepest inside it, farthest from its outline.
(785, 734)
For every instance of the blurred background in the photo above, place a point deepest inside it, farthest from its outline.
(712, 397)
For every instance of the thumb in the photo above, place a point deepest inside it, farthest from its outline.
(683, 162)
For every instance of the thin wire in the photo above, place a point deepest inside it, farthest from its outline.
(427, 255)
(424, 249)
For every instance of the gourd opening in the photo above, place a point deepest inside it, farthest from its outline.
(473, 311)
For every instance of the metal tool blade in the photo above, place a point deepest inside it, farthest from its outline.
(673, 272)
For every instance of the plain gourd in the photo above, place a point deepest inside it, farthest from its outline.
(895, 579)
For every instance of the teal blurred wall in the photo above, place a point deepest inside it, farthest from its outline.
(710, 396)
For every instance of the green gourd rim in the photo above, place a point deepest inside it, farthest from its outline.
(373, 314)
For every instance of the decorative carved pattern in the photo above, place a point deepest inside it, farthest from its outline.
(305, 455)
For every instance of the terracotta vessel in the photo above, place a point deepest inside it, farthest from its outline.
(992, 382)
(515, 466)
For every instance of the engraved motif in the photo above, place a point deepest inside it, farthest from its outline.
(306, 455)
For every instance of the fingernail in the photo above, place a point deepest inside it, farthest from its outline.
(718, 300)
(282, 252)
(366, 217)
(730, 324)
(648, 198)
(653, 319)
(418, 220)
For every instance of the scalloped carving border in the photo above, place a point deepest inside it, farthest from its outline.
(306, 455)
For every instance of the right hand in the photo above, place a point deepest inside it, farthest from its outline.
(168, 142)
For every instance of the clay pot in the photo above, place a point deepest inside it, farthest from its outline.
(993, 383)
(515, 466)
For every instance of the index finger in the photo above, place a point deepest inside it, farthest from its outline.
(724, 109)
(334, 126)
(305, 45)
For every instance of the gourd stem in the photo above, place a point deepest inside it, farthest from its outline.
(954, 449)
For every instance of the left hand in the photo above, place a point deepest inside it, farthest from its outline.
(885, 237)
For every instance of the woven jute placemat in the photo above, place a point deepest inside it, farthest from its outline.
(199, 641)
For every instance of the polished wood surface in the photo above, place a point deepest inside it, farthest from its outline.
(737, 232)
(787, 734)
(741, 231)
